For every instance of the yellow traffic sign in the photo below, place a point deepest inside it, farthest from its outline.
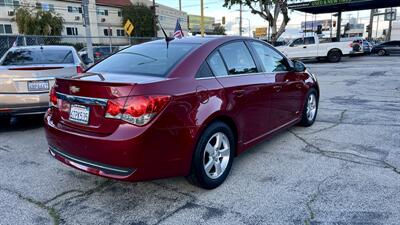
(129, 27)
(261, 31)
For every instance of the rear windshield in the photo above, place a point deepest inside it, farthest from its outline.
(147, 59)
(38, 56)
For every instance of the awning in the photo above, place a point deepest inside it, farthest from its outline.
(332, 6)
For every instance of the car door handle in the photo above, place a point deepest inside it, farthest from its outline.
(304, 46)
(239, 92)
(277, 88)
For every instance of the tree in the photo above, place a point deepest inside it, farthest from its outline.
(38, 22)
(219, 29)
(269, 10)
(142, 18)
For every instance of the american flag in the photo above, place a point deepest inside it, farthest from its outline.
(178, 33)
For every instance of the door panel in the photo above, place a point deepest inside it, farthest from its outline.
(248, 98)
(286, 101)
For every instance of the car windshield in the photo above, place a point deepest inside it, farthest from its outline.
(37, 56)
(153, 59)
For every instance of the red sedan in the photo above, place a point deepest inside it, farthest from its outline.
(184, 109)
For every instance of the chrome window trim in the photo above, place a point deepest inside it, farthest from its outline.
(82, 100)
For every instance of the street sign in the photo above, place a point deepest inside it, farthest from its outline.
(129, 27)
(261, 31)
(390, 12)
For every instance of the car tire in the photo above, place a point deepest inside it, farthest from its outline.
(382, 52)
(212, 160)
(5, 120)
(310, 109)
(334, 56)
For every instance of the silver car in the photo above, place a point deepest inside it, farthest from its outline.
(27, 74)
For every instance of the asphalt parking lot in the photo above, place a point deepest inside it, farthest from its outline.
(343, 170)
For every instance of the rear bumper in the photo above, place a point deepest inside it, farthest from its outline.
(24, 104)
(130, 153)
(90, 166)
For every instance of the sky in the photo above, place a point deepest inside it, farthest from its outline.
(215, 9)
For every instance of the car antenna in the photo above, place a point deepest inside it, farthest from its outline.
(167, 39)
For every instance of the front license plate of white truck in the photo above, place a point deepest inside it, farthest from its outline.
(79, 114)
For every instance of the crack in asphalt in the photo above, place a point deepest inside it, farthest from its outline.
(347, 156)
(62, 194)
(194, 202)
(313, 198)
(52, 212)
(333, 125)
(85, 194)
(5, 148)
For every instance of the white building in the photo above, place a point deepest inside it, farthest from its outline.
(167, 17)
(105, 17)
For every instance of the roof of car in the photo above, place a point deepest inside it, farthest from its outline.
(200, 40)
(43, 46)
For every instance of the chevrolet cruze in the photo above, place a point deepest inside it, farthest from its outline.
(184, 107)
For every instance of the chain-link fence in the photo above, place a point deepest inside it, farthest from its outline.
(79, 42)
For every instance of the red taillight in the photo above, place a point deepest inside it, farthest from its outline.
(53, 97)
(137, 110)
(79, 69)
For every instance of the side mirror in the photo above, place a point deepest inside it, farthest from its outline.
(86, 60)
(299, 66)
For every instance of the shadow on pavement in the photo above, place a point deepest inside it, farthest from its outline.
(20, 123)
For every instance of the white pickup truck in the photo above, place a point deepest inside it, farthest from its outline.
(313, 47)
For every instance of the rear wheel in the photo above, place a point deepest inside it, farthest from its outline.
(382, 52)
(213, 156)
(310, 109)
(334, 56)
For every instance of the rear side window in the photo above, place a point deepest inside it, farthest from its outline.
(271, 60)
(147, 59)
(38, 56)
(204, 71)
(238, 58)
(217, 65)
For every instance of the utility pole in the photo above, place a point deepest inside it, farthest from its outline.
(339, 26)
(180, 5)
(240, 19)
(89, 46)
(202, 18)
(371, 21)
(154, 19)
(389, 33)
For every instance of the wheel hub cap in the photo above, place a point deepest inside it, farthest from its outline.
(311, 107)
(216, 155)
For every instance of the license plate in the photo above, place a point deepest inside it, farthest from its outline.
(79, 114)
(40, 85)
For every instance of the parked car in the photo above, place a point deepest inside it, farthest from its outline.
(28, 73)
(387, 48)
(99, 52)
(313, 47)
(185, 109)
(362, 46)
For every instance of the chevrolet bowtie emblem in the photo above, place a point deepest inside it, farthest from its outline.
(74, 89)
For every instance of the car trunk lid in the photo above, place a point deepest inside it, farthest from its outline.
(88, 94)
(32, 78)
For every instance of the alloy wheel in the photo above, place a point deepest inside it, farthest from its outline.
(216, 155)
(311, 107)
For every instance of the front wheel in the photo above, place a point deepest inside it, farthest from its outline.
(382, 52)
(310, 109)
(213, 156)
